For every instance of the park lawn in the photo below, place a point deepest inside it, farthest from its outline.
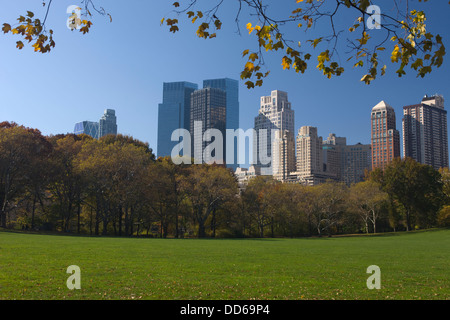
(413, 266)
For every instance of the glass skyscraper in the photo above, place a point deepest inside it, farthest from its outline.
(108, 123)
(231, 88)
(173, 113)
(208, 108)
(87, 127)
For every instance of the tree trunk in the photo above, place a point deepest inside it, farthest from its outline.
(78, 214)
(120, 221)
(33, 212)
(201, 229)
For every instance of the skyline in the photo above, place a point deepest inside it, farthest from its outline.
(129, 77)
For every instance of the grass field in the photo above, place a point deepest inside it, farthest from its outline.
(413, 266)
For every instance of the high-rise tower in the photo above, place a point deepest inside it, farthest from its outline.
(173, 113)
(275, 113)
(425, 132)
(108, 123)
(385, 137)
(208, 111)
(231, 88)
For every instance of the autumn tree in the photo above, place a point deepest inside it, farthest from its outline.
(366, 199)
(20, 151)
(330, 206)
(208, 187)
(66, 183)
(164, 194)
(257, 202)
(113, 172)
(417, 187)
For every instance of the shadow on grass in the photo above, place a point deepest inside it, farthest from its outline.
(315, 237)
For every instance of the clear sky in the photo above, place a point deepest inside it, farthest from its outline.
(122, 65)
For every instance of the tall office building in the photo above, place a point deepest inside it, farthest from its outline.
(332, 149)
(275, 113)
(355, 161)
(283, 155)
(108, 123)
(208, 111)
(173, 113)
(231, 88)
(87, 127)
(425, 136)
(346, 163)
(385, 137)
(310, 157)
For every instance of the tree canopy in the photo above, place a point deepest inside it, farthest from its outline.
(371, 37)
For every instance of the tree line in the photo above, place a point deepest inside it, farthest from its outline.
(115, 186)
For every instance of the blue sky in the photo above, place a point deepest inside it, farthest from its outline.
(122, 65)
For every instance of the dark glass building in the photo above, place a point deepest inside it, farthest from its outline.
(231, 88)
(209, 109)
(173, 114)
(87, 127)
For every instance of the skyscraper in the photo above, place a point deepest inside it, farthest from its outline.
(333, 148)
(275, 113)
(425, 132)
(310, 157)
(231, 88)
(87, 127)
(283, 155)
(208, 111)
(385, 137)
(108, 123)
(355, 160)
(173, 113)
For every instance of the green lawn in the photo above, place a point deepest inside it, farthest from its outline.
(413, 266)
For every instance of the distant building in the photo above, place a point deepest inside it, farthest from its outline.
(310, 168)
(346, 163)
(208, 109)
(356, 160)
(244, 175)
(332, 149)
(425, 136)
(87, 127)
(283, 155)
(275, 113)
(385, 137)
(231, 88)
(108, 123)
(173, 113)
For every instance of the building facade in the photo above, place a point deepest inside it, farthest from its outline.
(173, 113)
(283, 155)
(355, 162)
(231, 88)
(275, 113)
(385, 138)
(108, 123)
(310, 157)
(244, 175)
(208, 111)
(425, 136)
(332, 149)
(87, 127)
